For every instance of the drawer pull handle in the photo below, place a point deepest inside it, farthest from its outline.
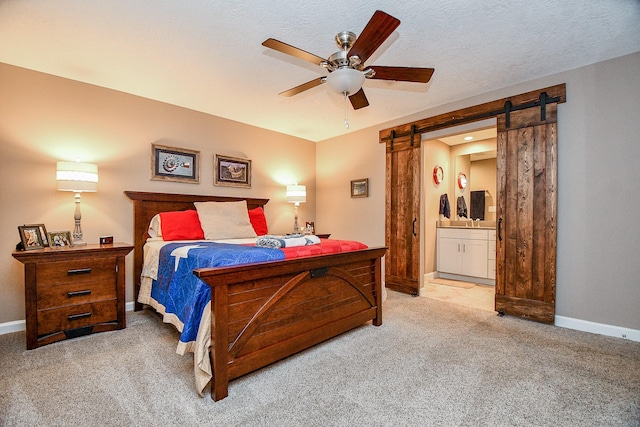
(79, 271)
(78, 293)
(79, 316)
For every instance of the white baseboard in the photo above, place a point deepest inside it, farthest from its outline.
(471, 279)
(598, 328)
(21, 325)
(14, 326)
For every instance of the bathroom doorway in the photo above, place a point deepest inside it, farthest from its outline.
(463, 160)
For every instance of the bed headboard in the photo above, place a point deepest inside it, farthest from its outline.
(146, 205)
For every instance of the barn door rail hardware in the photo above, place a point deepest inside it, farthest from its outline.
(507, 109)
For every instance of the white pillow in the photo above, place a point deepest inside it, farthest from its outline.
(154, 227)
(225, 220)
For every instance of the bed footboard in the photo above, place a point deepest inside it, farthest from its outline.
(262, 313)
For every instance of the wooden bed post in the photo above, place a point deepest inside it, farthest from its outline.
(377, 321)
(220, 344)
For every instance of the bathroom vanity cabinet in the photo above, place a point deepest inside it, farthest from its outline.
(466, 254)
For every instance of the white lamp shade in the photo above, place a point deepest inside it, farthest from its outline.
(77, 177)
(346, 80)
(296, 193)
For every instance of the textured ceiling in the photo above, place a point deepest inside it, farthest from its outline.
(207, 54)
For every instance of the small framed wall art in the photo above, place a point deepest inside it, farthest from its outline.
(232, 171)
(33, 236)
(360, 188)
(174, 164)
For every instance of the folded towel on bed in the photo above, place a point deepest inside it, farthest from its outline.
(289, 241)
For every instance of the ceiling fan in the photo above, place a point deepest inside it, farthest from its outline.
(346, 67)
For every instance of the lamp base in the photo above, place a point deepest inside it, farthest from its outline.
(77, 230)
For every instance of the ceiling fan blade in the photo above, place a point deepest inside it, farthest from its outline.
(305, 86)
(358, 100)
(293, 51)
(403, 74)
(379, 27)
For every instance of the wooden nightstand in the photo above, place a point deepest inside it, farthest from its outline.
(73, 291)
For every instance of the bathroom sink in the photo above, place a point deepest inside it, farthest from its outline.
(467, 224)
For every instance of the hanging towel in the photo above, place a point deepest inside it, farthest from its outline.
(461, 206)
(445, 209)
(477, 205)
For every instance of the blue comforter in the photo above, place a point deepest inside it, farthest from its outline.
(184, 294)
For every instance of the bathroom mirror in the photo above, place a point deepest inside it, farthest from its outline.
(479, 170)
(462, 181)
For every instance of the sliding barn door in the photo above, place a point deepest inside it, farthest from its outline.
(526, 212)
(402, 234)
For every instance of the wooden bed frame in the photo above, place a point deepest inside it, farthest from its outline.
(264, 312)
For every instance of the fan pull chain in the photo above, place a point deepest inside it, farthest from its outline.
(346, 122)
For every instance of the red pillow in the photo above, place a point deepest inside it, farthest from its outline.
(181, 225)
(258, 221)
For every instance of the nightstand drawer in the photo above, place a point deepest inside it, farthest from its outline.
(75, 271)
(76, 316)
(73, 291)
(65, 294)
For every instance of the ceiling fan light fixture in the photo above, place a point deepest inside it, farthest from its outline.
(346, 80)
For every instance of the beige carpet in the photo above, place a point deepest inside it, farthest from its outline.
(431, 363)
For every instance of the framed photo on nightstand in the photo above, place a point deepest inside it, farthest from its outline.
(60, 239)
(33, 236)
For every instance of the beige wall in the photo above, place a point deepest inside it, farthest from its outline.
(598, 191)
(44, 119)
(338, 161)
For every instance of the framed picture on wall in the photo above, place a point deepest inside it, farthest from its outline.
(175, 164)
(232, 171)
(360, 188)
(33, 236)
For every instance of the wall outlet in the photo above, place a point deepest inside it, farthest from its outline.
(492, 209)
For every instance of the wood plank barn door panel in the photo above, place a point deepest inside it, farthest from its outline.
(526, 210)
(402, 231)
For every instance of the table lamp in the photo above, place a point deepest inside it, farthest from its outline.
(77, 177)
(296, 194)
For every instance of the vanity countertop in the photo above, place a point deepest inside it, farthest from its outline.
(477, 225)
